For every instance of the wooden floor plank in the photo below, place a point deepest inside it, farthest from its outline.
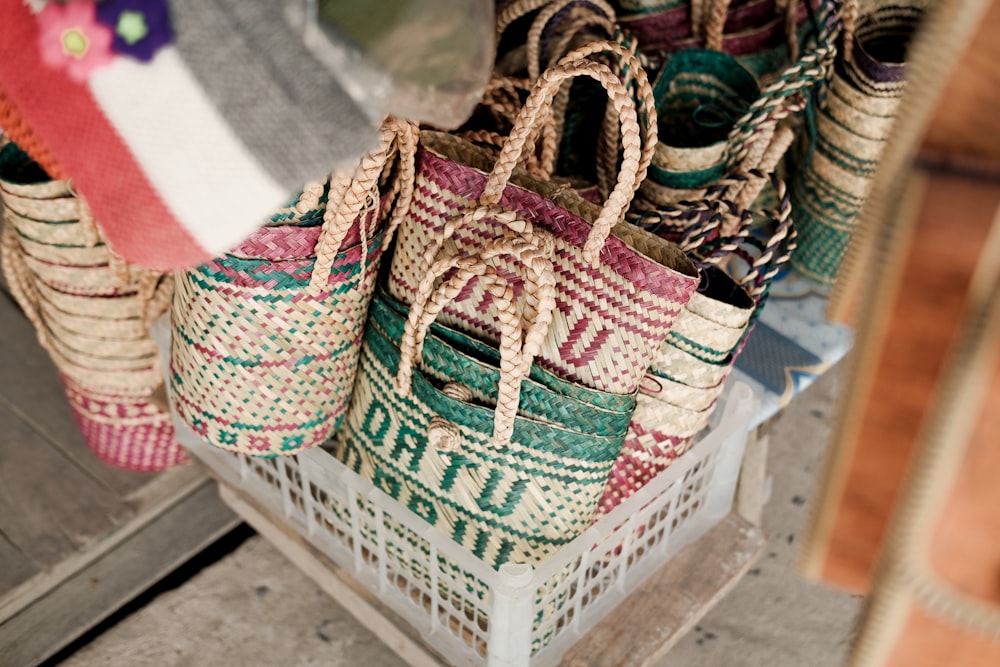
(15, 566)
(651, 620)
(90, 595)
(30, 388)
(148, 504)
(390, 628)
(48, 507)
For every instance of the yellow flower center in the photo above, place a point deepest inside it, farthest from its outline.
(75, 43)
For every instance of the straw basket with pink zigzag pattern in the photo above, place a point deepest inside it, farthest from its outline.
(619, 288)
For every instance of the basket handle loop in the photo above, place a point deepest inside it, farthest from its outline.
(532, 117)
(775, 252)
(355, 195)
(600, 14)
(518, 345)
(715, 24)
(634, 75)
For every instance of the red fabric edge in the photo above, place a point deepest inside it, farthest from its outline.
(71, 125)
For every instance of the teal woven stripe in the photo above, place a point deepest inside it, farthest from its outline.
(820, 251)
(543, 437)
(845, 160)
(698, 351)
(281, 286)
(255, 428)
(813, 198)
(465, 360)
(687, 180)
(707, 64)
(257, 270)
(443, 364)
(256, 360)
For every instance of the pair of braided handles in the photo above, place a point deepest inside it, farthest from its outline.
(532, 121)
(521, 333)
(356, 193)
(596, 15)
(715, 239)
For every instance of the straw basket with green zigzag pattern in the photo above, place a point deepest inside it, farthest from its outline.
(266, 338)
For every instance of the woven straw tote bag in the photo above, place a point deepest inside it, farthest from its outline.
(837, 161)
(697, 84)
(679, 391)
(619, 287)
(91, 313)
(506, 458)
(762, 34)
(266, 338)
(696, 94)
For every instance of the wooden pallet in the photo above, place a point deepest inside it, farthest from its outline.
(78, 539)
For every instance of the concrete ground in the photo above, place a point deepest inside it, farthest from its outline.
(254, 608)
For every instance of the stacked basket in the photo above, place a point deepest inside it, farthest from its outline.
(91, 313)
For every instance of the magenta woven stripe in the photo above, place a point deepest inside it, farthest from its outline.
(127, 432)
(743, 43)
(286, 242)
(639, 462)
(659, 27)
(467, 182)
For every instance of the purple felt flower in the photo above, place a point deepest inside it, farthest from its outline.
(140, 27)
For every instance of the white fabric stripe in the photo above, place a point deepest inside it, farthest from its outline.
(208, 179)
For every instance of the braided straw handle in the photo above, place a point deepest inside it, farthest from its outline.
(535, 112)
(502, 98)
(353, 196)
(715, 24)
(633, 74)
(775, 252)
(602, 15)
(849, 12)
(516, 354)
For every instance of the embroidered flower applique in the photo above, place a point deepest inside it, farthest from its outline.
(82, 36)
(141, 27)
(70, 38)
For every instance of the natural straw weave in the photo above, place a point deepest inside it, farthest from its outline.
(619, 287)
(510, 469)
(691, 156)
(764, 35)
(837, 165)
(91, 314)
(267, 337)
(679, 392)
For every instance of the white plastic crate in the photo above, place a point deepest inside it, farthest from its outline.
(470, 613)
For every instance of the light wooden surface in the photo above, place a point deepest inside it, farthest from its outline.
(78, 538)
(651, 620)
